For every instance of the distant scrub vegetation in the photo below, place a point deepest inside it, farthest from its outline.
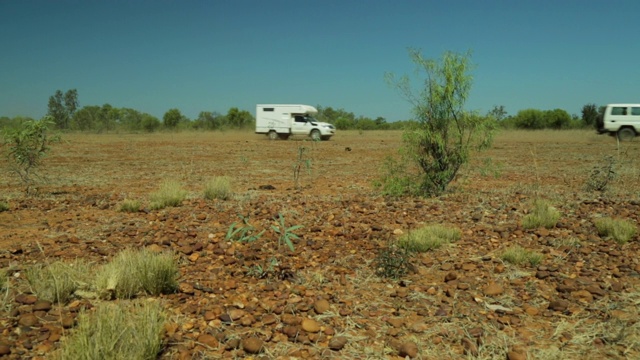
(69, 116)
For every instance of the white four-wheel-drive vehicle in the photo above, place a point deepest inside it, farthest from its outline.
(622, 120)
(282, 120)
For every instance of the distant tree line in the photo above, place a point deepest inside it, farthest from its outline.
(67, 115)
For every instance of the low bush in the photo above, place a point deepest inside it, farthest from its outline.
(170, 194)
(133, 272)
(129, 205)
(542, 215)
(619, 230)
(58, 281)
(518, 255)
(116, 331)
(392, 262)
(429, 238)
(218, 188)
(4, 206)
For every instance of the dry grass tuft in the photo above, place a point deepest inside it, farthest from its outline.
(129, 205)
(120, 330)
(518, 255)
(543, 214)
(218, 188)
(58, 281)
(618, 229)
(429, 238)
(133, 272)
(170, 194)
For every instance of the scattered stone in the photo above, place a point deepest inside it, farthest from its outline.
(493, 289)
(42, 305)
(310, 325)
(337, 343)
(208, 340)
(26, 299)
(252, 345)
(5, 350)
(321, 306)
(559, 305)
(28, 320)
(409, 349)
(469, 346)
(450, 276)
(395, 322)
(516, 355)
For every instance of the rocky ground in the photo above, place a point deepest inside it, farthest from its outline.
(325, 300)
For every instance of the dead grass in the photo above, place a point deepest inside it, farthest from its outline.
(122, 330)
(218, 188)
(428, 238)
(518, 255)
(58, 281)
(129, 205)
(542, 215)
(170, 194)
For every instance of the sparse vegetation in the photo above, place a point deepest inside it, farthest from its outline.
(285, 234)
(218, 188)
(621, 231)
(27, 145)
(302, 162)
(428, 238)
(542, 215)
(518, 255)
(392, 262)
(58, 281)
(4, 206)
(243, 232)
(133, 272)
(170, 194)
(601, 176)
(122, 330)
(129, 205)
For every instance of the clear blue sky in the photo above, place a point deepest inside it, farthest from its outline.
(212, 55)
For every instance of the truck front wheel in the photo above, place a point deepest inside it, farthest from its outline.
(273, 135)
(315, 135)
(626, 134)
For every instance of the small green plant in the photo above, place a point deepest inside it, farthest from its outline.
(4, 206)
(218, 188)
(303, 162)
(542, 214)
(116, 331)
(133, 272)
(170, 194)
(618, 229)
(601, 176)
(129, 205)
(285, 234)
(261, 272)
(58, 281)
(243, 232)
(429, 238)
(392, 262)
(27, 145)
(518, 255)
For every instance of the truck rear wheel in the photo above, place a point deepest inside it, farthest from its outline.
(315, 135)
(273, 135)
(626, 134)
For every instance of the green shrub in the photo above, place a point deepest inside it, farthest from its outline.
(518, 255)
(542, 214)
(428, 238)
(218, 188)
(133, 272)
(58, 281)
(170, 194)
(619, 230)
(129, 205)
(4, 206)
(116, 331)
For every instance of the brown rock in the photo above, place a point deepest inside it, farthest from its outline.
(396, 322)
(252, 345)
(450, 276)
(409, 349)
(337, 343)
(289, 319)
(310, 325)
(559, 305)
(28, 320)
(269, 319)
(42, 305)
(582, 295)
(236, 314)
(208, 340)
(515, 355)
(321, 306)
(5, 350)
(67, 321)
(26, 299)
(290, 331)
(493, 289)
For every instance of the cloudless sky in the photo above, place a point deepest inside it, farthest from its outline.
(213, 55)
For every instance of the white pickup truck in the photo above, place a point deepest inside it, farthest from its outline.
(279, 121)
(622, 120)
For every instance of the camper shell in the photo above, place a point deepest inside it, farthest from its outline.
(621, 120)
(280, 121)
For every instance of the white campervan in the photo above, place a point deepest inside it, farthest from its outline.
(622, 120)
(282, 121)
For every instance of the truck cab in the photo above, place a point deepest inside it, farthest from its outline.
(621, 120)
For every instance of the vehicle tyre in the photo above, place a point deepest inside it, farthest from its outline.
(315, 135)
(626, 134)
(273, 135)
